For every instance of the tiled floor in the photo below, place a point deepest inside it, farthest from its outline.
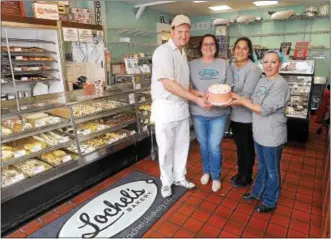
(201, 213)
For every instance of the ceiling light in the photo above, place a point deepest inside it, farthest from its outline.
(199, 1)
(220, 8)
(265, 3)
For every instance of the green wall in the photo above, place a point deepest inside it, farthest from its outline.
(201, 27)
(123, 15)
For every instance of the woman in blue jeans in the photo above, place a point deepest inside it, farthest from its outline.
(268, 104)
(209, 124)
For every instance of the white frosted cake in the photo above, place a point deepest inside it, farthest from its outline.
(219, 94)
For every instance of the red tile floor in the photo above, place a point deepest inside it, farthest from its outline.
(202, 213)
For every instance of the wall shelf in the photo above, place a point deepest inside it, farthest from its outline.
(284, 34)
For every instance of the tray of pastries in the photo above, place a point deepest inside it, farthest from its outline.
(84, 148)
(29, 122)
(90, 127)
(10, 175)
(145, 107)
(119, 119)
(32, 167)
(52, 138)
(57, 157)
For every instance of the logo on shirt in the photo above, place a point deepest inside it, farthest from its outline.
(262, 90)
(235, 79)
(208, 74)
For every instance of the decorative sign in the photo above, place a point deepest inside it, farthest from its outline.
(198, 26)
(85, 35)
(70, 34)
(97, 12)
(46, 11)
(12, 8)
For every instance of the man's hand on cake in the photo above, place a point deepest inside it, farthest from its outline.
(203, 103)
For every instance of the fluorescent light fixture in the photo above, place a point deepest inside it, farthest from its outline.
(220, 8)
(265, 3)
(199, 1)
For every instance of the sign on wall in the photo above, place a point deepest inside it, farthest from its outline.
(70, 34)
(46, 11)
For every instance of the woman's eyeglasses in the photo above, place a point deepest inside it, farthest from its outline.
(208, 44)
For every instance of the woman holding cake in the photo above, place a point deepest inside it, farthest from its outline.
(210, 73)
(246, 74)
(268, 104)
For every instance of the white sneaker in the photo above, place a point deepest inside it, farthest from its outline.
(205, 178)
(166, 191)
(186, 184)
(216, 185)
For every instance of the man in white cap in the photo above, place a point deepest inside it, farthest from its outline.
(170, 107)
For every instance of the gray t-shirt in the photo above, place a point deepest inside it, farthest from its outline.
(244, 82)
(203, 75)
(269, 127)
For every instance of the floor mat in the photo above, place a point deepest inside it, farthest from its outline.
(128, 208)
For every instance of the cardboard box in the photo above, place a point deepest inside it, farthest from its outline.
(81, 10)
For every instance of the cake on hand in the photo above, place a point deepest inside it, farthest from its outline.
(219, 94)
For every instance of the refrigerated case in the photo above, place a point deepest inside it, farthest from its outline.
(300, 78)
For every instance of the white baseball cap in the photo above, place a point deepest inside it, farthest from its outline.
(179, 20)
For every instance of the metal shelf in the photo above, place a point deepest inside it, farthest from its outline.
(105, 131)
(34, 131)
(102, 114)
(24, 53)
(29, 72)
(27, 62)
(5, 115)
(35, 154)
(284, 34)
(30, 81)
(26, 40)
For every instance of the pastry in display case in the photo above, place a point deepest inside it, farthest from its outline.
(57, 157)
(32, 167)
(11, 175)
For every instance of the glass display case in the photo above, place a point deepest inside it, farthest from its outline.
(300, 87)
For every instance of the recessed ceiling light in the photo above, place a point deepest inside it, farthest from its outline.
(265, 3)
(199, 1)
(220, 8)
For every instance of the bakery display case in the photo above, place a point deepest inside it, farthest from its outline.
(300, 87)
(300, 77)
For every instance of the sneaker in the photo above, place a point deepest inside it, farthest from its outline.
(166, 191)
(205, 178)
(186, 184)
(216, 185)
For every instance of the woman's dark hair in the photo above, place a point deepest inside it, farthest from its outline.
(249, 44)
(216, 44)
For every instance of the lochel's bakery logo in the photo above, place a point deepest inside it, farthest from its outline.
(111, 212)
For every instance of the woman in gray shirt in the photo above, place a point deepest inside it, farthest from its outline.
(268, 104)
(209, 124)
(245, 77)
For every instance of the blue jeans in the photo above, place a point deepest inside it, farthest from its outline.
(268, 182)
(210, 132)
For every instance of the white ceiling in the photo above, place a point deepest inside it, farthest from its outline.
(200, 9)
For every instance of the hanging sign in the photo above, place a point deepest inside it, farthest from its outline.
(46, 11)
(97, 12)
(70, 34)
(85, 35)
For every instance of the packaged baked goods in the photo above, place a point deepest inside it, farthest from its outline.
(32, 167)
(10, 175)
(56, 157)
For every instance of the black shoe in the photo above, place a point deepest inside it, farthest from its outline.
(263, 208)
(235, 177)
(242, 182)
(249, 197)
